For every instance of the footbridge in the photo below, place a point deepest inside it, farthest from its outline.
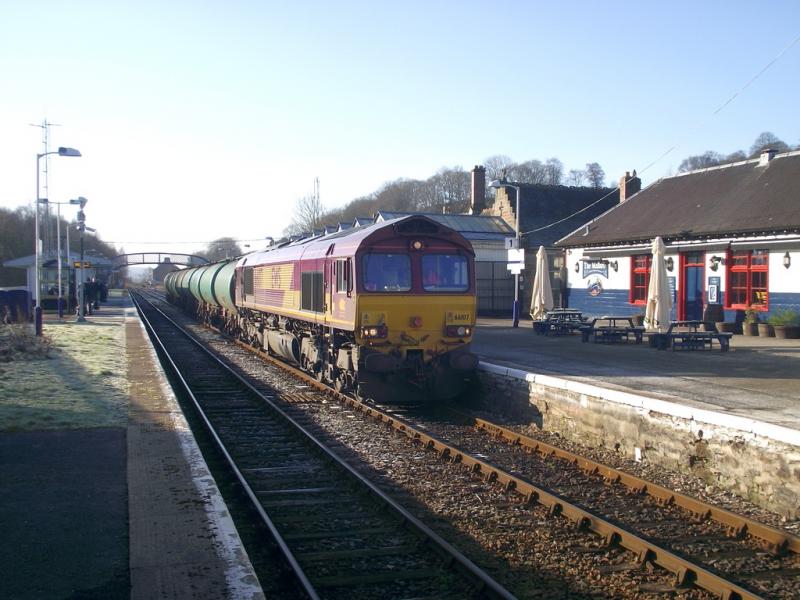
(157, 258)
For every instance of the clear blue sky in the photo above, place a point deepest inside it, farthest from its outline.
(206, 119)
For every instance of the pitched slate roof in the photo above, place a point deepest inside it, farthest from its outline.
(472, 227)
(543, 205)
(728, 200)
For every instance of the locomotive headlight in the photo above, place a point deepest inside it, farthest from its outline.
(458, 330)
(417, 245)
(379, 331)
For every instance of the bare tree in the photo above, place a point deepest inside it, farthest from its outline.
(530, 171)
(735, 156)
(595, 175)
(554, 171)
(496, 165)
(575, 177)
(308, 215)
(701, 161)
(222, 248)
(767, 140)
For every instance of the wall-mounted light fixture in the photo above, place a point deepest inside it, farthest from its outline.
(577, 267)
(716, 261)
(787, 260)
(614, 265)
(670, 263)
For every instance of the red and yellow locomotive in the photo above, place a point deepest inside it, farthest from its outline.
(385, 311)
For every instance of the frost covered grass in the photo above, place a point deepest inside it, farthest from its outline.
(74, 376)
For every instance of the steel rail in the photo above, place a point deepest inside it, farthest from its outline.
(284, 548)
(686, 571)
(485, 583)
(773, 539)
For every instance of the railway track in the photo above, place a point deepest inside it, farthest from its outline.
(727, 554)
(341, 536)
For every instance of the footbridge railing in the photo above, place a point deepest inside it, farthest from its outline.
(157, 258)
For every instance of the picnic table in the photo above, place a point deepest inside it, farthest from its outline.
(612, 330)
(692, 335)
(560, 321)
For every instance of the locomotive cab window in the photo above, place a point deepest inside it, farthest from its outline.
(445, 273)
(387, 272)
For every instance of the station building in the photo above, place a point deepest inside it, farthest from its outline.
(732, 235)
(95, 267)
(546, 214)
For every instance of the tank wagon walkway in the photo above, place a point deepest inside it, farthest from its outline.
(758, 379)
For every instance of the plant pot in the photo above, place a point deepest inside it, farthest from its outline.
(765, 330)
(792, 332)
(780, 331)
(725, 327)
(750, 329)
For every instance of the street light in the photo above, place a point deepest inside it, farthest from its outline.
(74, 201)
(496, 184)
(62, 151)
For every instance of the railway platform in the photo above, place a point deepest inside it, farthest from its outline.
(128, 510)
(731, 418)
(758, 379)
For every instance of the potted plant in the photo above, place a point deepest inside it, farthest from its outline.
(750, 323)
(786, 324)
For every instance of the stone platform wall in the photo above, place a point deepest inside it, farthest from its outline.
(755, 460)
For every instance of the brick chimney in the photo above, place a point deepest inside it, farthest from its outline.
(629, 185)
(478, 198)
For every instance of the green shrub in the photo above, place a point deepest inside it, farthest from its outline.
(784, 317)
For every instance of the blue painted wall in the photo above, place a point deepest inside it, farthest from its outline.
(609, 302)
(615, 302)
(777, 301)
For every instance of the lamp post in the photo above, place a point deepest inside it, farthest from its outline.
(496, 184)
(62, 151)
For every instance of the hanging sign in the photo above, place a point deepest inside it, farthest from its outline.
(595, 267)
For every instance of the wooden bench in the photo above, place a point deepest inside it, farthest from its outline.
(559, 322)
(687, 335)
(616, 330)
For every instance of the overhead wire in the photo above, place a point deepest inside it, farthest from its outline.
(675, 146)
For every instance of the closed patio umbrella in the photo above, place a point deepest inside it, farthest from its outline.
(659, 299)
(542, 297)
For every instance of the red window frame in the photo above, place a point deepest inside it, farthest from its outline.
(640, 268)
(747, 280)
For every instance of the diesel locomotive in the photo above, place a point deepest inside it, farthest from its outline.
(385, 311)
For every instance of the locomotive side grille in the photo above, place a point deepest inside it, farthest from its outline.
(248, 281)
(311, 292)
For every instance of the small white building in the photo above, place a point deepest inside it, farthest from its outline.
(95, 267)
(732, 235)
